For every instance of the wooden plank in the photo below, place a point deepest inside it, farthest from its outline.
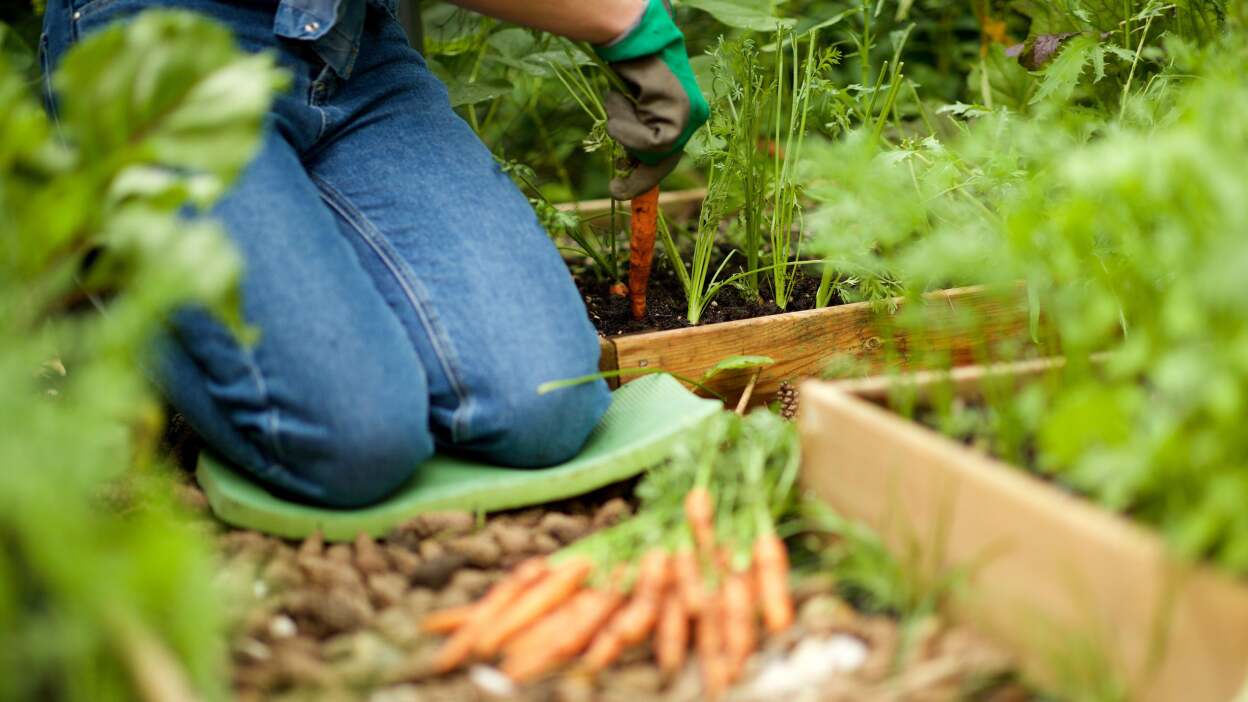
(678, 204)
(607, 360)
(965, 380)
(802, 343)
(1047, 571)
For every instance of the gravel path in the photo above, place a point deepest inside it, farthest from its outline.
(316, 621)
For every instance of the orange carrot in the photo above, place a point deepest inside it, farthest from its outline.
(671, 635)
(645, 222)
(700, 513)
(689, 581)
(590, 609)
(447, 620)
(715, 671)
(457, 648)
(740, 635)
(541, 631)
(771, 566)
(542, 597)
(633, 622)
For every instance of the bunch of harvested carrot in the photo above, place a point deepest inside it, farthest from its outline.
(702, 571)
(543, 615)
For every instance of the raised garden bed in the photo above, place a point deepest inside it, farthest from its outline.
(1066, 584)
(803, 343)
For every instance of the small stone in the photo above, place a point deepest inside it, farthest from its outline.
(398, 627)
(545, 543)
(473, 582)
(330, 574)
(249, 696)
(251, 545)
(314, 545)
(452, 597)
(282, 627)
(251, 649)
(369, 557)
(430, 550)
(399, 693)
(387, 589)
(283, 573)
(528, 518)
(333, 611)
(404, 560)
(340, 553)
(297, 667)
(416, 665)
(435, 573)
(362, 657)
(635, 680)
(614, 511)
(514, 540)
(825, 613)
(445, 523)
(564, 527)
(491, 682)
(573, 689)
(418, 602)
(479, 550)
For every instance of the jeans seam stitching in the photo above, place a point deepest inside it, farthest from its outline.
(90, 8)
(45, 64)
(409, 284)
(272, 415)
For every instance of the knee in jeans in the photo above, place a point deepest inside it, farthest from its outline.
(366, 461)
(540, 430)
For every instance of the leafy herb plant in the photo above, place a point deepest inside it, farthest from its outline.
(105, 591)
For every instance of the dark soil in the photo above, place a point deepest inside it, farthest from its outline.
(666, 306)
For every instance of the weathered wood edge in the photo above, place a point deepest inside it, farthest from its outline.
(802, 342)
(607, 361)
(1045, 565)
(964, 380)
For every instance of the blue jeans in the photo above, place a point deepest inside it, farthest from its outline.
(406, 296)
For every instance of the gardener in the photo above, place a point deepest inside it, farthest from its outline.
(407, 298)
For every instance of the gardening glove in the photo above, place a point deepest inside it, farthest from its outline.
(666, 106)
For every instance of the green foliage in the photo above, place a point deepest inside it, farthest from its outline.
(742, 14)
(98, 570)
(1129, 235)
(503, 80)
(732, 363)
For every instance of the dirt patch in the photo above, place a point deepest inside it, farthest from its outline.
(666, 306)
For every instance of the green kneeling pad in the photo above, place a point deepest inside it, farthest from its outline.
(645, 419)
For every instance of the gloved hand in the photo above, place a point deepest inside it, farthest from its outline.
(667, 105)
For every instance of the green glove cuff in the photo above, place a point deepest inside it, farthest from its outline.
(657, 34)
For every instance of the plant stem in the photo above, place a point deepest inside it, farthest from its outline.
(1126, 88)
